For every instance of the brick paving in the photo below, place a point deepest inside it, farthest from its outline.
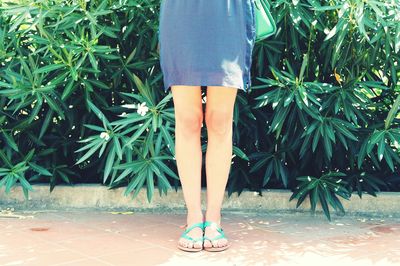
(100, 237)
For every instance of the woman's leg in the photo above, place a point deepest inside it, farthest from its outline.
(188, 121)
(219, 118)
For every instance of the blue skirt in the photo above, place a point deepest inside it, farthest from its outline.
(206, 42)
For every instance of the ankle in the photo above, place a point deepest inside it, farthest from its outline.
(214, 217)
(194, 216)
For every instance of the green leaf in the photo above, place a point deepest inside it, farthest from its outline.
(168, 138)
(25, 183)
(392, 113)
(95, 128)
(362, 153)
(316, 139)
(150, 185)
(46, 122)
(166, 169)
(10, 182)
(328, 147)
(342, 129)
(142, 178)
(267, 174)
(388, 158)
(39, 169)
(10, 141)
(124, 174)
(97, 112)
(377, 137)
(133, 183)
(96, 146)
(381, 148)
(48, 68)
(163, 183)
(109, 164)
(69, 88)
(240, 153)
(118, 148)
(53, 105)
(313, 198)
(322, 199)
(138, 133)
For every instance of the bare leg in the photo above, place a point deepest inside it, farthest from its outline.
(188, 120)
(219, 117)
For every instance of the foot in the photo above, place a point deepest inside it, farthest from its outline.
(195, 233)
(211, 232)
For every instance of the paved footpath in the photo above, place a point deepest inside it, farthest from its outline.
(102, 237)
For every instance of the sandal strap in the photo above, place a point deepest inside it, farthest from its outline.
(219, 229)
(187, 230)
(214, 238)
(199, 224)
(211, 223)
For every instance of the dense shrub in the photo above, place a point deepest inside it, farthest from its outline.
(82, 101)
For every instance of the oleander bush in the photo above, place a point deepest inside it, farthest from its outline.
(82, 100)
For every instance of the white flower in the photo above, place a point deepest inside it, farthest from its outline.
(314, 22)
(296, 20)
(104, 135)
(142, 109)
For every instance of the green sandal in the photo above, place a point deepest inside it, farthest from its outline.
(184, 235)
(222, 235)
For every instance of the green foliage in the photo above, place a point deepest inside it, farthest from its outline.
(323, 189)
(81, 98)
(65, 66)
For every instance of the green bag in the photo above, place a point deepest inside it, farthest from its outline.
(265, 24)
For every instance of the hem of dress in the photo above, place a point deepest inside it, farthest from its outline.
(210, 79)
(241, 88)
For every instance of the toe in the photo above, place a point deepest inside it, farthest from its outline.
(197, 244)
(215, 243)
(223, 243)
(190, 244)
(220, 243)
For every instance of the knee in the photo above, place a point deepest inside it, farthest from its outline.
(218, 122)
(189, 122)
